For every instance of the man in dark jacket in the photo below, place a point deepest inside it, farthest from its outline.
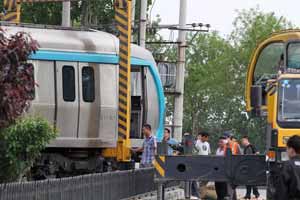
(289, 181)
(248, 150)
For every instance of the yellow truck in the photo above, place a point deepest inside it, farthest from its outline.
(273, 92)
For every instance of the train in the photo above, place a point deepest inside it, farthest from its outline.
(76, 75)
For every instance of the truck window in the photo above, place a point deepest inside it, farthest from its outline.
(289, 101)
(268, 62)
(293, 55)
(68, 80)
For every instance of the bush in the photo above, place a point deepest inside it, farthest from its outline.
(20, 144)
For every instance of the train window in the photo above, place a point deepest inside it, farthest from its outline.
(88, 84)
(136, 81)
(68, 80)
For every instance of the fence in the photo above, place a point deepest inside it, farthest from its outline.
(105, 186)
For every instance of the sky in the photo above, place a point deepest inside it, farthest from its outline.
(221, 13)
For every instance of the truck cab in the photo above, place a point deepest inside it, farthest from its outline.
(273, 93)
(273, 88)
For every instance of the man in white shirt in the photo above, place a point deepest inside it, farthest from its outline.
(202, 144)
(203, 148)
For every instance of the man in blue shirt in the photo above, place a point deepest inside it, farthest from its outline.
(170, 141)
(148, 148)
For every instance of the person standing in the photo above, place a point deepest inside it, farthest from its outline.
(188, 146)
(248, 150)
(202, 144)
(288, 186)
(234, 148)
(231, 143)
(148, 148)
(203, 148)
(171, 142)
(221, 187)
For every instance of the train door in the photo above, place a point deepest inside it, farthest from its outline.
(67, 99)
(44, 100)
(89, 102)
(137, 102)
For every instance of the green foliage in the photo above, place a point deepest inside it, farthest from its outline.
(216, 68)
(41, 13)
(97, 14)
(21, 144)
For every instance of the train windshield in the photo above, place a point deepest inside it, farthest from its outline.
(289, 101)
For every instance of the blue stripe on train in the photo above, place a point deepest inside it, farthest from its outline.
(111, 59)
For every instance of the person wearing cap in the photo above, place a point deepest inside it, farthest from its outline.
(231, 143)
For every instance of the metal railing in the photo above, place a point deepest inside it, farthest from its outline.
(105, 186)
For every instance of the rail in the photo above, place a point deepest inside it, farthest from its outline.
(104, 186)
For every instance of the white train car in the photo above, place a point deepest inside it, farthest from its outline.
(77, 91)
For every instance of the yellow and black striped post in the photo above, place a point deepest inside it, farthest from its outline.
(123, 19)
(123, 25)
(11, 11)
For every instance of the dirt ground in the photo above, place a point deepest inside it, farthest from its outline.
(210, 193)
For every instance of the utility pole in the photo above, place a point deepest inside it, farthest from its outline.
(180, 71)
(143, 23)
(66, 14)
(133, 3)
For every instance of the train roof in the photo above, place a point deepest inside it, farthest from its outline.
(78, 40)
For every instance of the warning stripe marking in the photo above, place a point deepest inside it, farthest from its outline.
(122, 111)
(123, 123)
(123, 70)
(158, 164)
(10, 17)
(162, 158)
(123, 56)
(122, 131)
(123, 107)
(122, 115)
